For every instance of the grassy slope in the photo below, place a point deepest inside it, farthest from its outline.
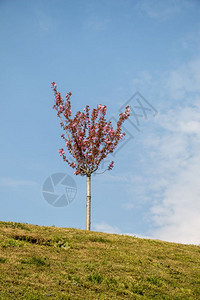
(38, 262)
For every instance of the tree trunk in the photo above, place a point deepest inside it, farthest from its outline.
(88, 205)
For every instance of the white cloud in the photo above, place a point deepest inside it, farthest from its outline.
(175, 159)
(138, 235)
(184, 80)
(177, 214)
(128, 205)
(163, 10)
(109, 177)
(13, 183)
(172, 146)
(190, 127)
(144, 77)
(44, 21)
(191, 41)
(104, 227)
(96, 23)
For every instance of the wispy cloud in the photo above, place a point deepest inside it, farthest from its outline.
(14, 183)
(173, 149)
(172, 146)
(177, 161)
(104, 227)
(184, 80)
(162, 10)
(128, 205)
(138, 235)
(95, 23)
(43, 20)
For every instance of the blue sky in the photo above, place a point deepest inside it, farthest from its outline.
(104, 52)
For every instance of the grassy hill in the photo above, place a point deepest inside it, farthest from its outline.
(38, 262)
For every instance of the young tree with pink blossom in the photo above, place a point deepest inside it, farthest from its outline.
(88, 137)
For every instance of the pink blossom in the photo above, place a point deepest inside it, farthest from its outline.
(89, 137)
(111, 165)
(61, 152)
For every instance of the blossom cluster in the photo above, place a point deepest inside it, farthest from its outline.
(88, 137)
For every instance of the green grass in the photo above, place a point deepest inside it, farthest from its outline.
(38, 262)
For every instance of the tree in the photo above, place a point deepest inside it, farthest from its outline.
(88, 137)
